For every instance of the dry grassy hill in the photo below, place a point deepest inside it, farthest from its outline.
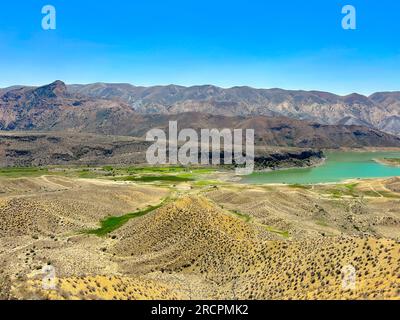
(354, 208)
(55, 205)
(209, 243)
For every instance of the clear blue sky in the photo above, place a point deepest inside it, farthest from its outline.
(292, 44)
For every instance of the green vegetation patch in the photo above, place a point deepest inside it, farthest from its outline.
(129, 173)
(344, 190)
(245, 217)
(18, 172)
(322, 223)
(166, 178)
(282, 233)
(88, 174)
(207, 183)
(351, 187)
(111, 224)
(160, 169)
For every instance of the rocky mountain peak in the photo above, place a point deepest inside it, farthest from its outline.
(52, 90)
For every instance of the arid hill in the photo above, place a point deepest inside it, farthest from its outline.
(192, 248)
(33, 149)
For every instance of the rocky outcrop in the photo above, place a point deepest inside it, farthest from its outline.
(282, 160)
(43, 149)
(27, 150)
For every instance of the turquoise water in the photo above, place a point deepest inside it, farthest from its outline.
(339, 166)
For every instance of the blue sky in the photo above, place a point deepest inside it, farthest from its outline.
(289, 44)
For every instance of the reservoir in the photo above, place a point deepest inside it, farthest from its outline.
(338, 166)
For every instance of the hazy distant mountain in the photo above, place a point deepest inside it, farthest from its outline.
(4, 90)
(380, 110)
(55, 108)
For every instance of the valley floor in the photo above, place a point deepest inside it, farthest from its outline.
(173, 233)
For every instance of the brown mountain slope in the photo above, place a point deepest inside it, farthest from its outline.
(375, 111)
(58, 148)
(53, 108)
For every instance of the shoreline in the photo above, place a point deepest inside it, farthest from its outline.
(345, 181)
(388, 162)
(394, 163)
(364, 149)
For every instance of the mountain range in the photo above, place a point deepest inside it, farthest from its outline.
(380, 110)
(279, 117)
